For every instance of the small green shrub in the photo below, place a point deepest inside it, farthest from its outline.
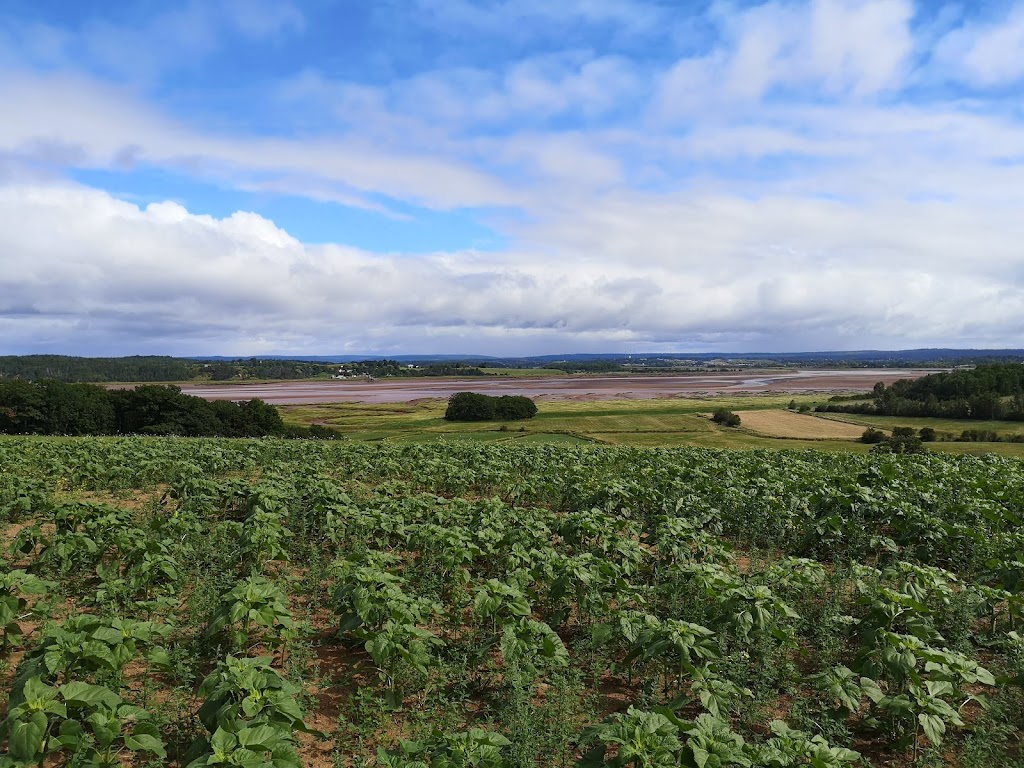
(726, 418)
(872, 436)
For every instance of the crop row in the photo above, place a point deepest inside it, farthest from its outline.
(272, 603)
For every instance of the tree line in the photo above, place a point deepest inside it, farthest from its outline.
(154, 369)
(57, 408)
(150, 369)
(986, 392)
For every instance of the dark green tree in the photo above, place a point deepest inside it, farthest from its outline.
(726, 418)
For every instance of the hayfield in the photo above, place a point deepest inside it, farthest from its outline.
(798, 425)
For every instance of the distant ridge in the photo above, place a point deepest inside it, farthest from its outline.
(155, 369)
(888, 355)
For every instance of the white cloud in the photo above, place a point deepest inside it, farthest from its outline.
(985, 54)
(670, 273)
(529, 91)
(73, 121)
(770, 190)
(818, 48)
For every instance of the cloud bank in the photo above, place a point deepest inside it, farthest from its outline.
(758, 176)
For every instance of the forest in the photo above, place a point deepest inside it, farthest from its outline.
(151, 369)
(57, 408)
(986, 392)
(174, 369)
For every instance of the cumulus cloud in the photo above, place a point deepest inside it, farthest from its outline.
(792, 183)
(177, 282)
(985, 53)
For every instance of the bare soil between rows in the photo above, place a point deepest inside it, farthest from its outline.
(561, 388)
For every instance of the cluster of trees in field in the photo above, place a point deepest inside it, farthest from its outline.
(725, 417)
(472, 406)
(985, 392)
(902, 439)
(59, 408)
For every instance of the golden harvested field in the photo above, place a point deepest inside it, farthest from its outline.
(798, 425)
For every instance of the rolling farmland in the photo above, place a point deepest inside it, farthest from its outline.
(285, 603)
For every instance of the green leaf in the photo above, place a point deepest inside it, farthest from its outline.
(700, 756)
(71, 733)
(145, 739)
(99, 653)
(79, 694)
(159, 657)
(223, 741)
(845, 755)
(36, 691)
(247, 759)
(27, 737)
(933, 726)
(251, 707)
(108, 635)
(871, 689)
(263, 737)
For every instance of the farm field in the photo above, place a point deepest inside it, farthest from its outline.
(951, 426)
(200, 602)
(778, 423)
(665, 422)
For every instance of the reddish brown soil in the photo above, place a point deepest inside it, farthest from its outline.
(557, 388)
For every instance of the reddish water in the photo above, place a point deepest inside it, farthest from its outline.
(555, 388)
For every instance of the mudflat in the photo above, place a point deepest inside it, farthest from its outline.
(557, 388)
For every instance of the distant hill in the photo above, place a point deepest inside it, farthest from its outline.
(223, 368)
(938, 357)
(349, 358)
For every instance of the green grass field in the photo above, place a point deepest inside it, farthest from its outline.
(664, 423)
(522, 373)
(952, 426)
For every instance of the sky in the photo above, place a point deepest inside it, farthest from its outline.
(510, 177)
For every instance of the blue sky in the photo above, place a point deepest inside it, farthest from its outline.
(498, 177)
